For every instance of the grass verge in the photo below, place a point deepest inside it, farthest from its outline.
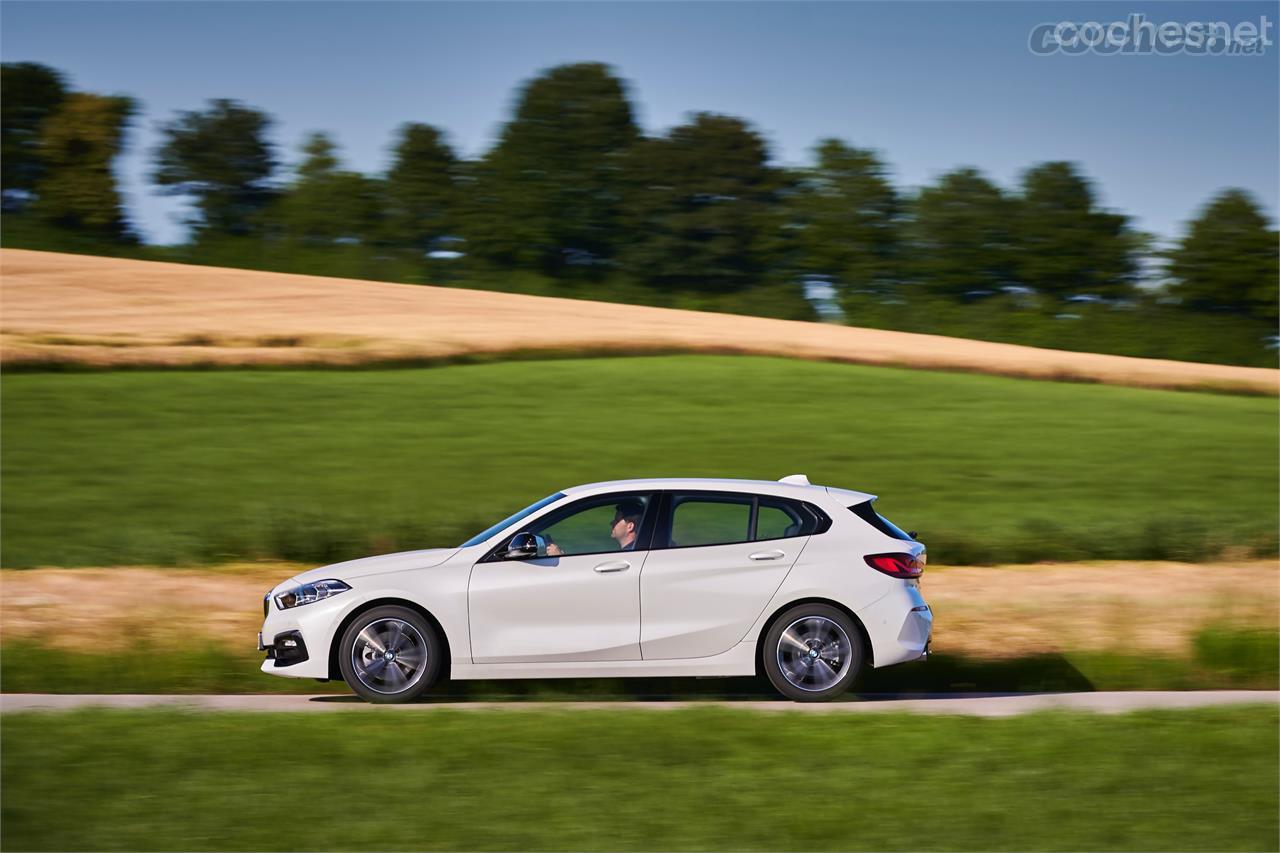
(1221, 659)
(700, 779)
(175, 467)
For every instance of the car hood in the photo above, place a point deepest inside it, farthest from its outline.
(352, 569)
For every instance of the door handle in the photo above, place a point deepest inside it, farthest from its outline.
(767, 555)
(616, 566)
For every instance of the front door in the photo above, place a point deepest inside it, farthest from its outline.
(579, 602)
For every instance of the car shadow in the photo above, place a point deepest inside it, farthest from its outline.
(940, 677)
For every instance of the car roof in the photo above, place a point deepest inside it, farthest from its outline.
(764, 487)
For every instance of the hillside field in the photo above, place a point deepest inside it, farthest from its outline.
(171, 467)
(76, 310)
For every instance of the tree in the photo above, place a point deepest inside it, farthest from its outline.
(1065, 245)
(847, 214)
(325, 204)
(549, 191)
(78, 144)
(698, 204)
(962, 235)
(32, 93)
(1229, 259)
(421, 196)
(222, 158)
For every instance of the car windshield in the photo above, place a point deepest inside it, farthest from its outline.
(512, 519)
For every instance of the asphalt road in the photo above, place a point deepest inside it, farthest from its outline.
(971, 705)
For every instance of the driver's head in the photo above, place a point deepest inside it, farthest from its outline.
(626, 521)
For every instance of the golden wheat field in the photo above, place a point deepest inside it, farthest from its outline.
(109, 311)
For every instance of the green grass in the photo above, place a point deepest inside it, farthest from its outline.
(700, 779)
(173, 467)
(1220, 658)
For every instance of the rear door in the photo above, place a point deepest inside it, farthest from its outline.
(716, 560)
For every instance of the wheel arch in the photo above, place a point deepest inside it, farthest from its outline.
(867, 648)
(335, 672)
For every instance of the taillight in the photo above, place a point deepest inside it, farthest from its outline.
(903, 566)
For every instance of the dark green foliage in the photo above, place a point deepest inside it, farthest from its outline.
(222, 159)
(846, 214)
(548, 193)
(962, 236)
(422, 200)
(325, 205)
(30, 94)
(695, 779)
(698, 202)
(1146, 328)
(1065, 245)
(1230, 259)
(573, 200)
(78, 145)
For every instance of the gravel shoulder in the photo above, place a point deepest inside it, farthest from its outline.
(112, 312)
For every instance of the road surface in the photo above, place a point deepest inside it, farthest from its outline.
(969, 705)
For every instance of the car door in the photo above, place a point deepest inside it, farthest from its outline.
(710, 572)
(578, 602)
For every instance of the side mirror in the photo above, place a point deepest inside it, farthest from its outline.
(911, 533)
(525, 546)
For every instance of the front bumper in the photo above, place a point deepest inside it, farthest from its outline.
(286, 649)
(310, 629)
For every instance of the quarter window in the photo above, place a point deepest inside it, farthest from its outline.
(778, 518)
(773, 522)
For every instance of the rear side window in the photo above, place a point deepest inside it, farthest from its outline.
(867, 513)
(728, 518)
(699, 520)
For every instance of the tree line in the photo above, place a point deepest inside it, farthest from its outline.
(573, 189)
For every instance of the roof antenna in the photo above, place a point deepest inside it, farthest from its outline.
(796, 480)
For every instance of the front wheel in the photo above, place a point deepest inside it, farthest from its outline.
(812, 653)
(390, 654)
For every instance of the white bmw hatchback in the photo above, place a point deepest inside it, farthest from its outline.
(806, 584)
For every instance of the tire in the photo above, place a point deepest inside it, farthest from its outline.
(415, 650)
(812, 653)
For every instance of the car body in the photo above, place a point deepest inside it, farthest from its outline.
(703, 572)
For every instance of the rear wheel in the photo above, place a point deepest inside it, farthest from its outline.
(390, 654)
(812, 652)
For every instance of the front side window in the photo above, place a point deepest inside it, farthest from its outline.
(596, 525)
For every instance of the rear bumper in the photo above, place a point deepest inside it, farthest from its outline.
(900, 627)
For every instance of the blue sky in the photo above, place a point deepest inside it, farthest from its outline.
(932, 86)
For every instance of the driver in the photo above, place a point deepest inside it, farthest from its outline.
(623, 529)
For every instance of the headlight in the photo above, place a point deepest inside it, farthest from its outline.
(309, 593)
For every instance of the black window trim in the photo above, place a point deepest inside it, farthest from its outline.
(662, 527)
